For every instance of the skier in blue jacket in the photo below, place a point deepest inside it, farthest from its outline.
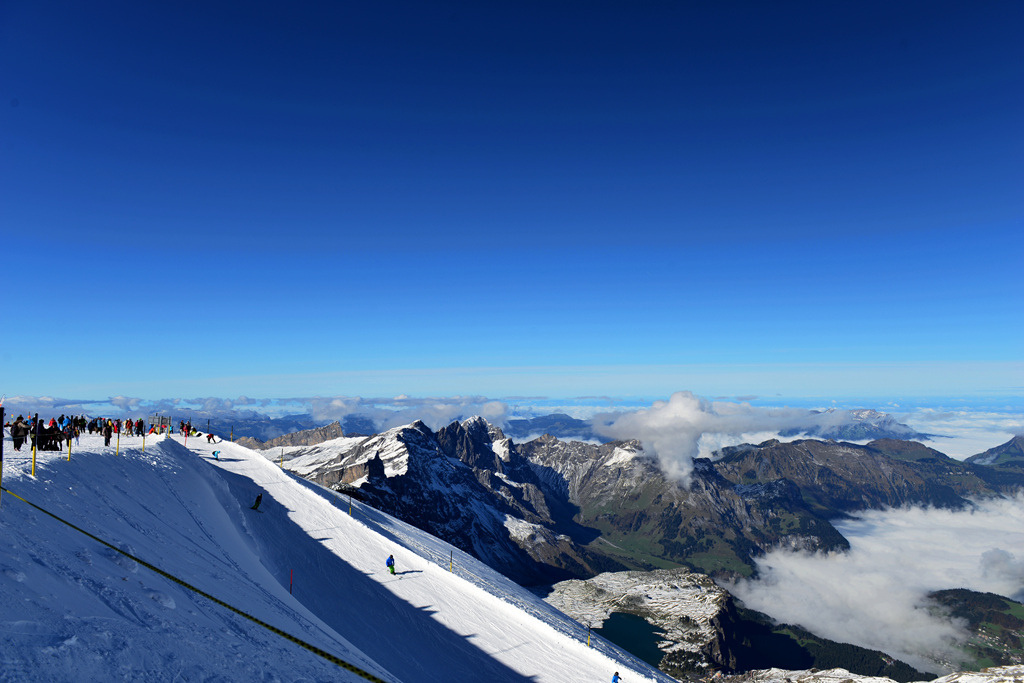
(390, 564)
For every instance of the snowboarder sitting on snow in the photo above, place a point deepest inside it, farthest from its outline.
(390, 564)
(259, 499)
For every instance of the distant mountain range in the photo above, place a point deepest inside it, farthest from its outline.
(856, 425)
(848, 425)
(851, 425)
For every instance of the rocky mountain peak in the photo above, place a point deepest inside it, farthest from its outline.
(478, 444)
(482, 430)
(418, 426)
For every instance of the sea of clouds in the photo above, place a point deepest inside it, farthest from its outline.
(964, 432)
(874, 595)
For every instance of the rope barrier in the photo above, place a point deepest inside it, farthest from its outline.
(273, 629)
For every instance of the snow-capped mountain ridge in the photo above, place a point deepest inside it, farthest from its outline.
(566, 488)
(77, 612)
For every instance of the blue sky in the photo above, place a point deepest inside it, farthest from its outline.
(512, 198)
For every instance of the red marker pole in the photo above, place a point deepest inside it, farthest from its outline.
(291, 580)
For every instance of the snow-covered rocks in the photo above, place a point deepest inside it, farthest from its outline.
(681, 604)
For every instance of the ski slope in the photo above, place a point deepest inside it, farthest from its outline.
(73, 609)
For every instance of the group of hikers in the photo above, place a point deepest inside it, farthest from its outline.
(44, 436)
(51, 436)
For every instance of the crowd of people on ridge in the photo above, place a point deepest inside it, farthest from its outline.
(51, 436)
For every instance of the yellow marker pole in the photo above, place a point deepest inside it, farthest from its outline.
(451, 562)
(143, 443)
(117, 448)
(69, 450)
(35, 443)
(350, 505)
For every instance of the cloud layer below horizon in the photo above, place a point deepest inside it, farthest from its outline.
(875, 594)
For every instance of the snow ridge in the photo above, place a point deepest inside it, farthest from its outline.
(75, 610)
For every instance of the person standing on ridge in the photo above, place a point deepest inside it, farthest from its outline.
(256, 505)
(390, 564)
(19, 430)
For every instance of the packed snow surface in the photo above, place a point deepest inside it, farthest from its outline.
(73, 609)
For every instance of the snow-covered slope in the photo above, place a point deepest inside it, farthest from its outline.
(74, 609)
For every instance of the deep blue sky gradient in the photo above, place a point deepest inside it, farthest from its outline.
(341, 198)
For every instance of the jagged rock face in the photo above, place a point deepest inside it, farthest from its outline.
(308, 437)
(249, 442)
(468, 485)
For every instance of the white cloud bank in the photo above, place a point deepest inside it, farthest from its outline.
(874, 595)
(687, 426)
(961, 433)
